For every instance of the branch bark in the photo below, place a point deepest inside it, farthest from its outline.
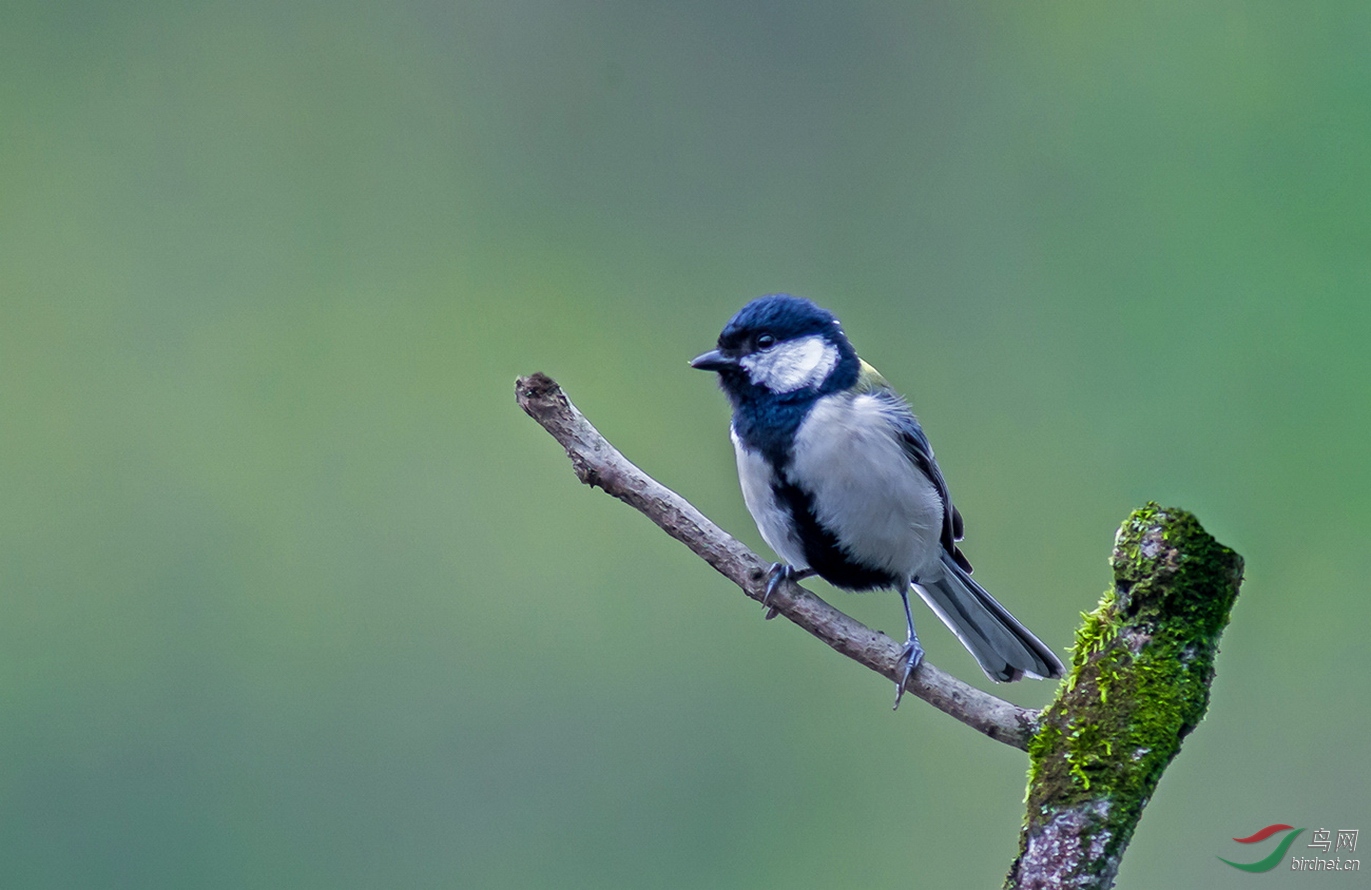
(599, 464)
(1139, 683)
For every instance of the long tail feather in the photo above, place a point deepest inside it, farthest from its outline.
(1005, 648)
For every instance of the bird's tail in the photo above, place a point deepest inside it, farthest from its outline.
(1005, 648)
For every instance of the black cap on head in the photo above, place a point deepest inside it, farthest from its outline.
(781, 316)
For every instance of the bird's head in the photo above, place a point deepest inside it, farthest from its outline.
(781, 346)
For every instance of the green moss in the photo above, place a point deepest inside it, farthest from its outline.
(1097, 630)
(1141, 669)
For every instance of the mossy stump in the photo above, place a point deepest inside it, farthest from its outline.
(1139, 683)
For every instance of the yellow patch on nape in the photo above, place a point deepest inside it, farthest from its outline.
(869, 379)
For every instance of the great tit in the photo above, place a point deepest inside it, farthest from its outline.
(842, 483)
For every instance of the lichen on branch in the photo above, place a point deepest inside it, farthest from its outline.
(1139, 683)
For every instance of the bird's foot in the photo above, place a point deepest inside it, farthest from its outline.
(779, 573)
(910, 657)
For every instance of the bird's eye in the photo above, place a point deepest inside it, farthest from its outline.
(766, 341)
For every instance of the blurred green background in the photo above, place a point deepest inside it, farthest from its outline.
(294, 596)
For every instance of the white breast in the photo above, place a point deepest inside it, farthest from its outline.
(773, 520)
(882, 508)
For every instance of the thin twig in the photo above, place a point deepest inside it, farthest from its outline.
(598, 463)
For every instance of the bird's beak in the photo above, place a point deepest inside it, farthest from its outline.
(714, 360)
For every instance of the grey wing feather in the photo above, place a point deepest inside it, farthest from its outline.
(920, 453)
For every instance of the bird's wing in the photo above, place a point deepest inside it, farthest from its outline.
(920, 453)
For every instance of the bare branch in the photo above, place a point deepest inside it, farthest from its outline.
(598, 463)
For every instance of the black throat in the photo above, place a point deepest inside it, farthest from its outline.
(767, 423)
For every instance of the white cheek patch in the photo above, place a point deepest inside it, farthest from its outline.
(792, 365)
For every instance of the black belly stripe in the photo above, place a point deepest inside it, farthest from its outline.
(822, 550)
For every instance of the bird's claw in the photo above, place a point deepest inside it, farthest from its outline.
(911, 657)
(779, 572)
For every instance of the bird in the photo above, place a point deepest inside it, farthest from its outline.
(842, 483)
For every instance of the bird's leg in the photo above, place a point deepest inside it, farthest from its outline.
(912, 653)
(780, 572)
